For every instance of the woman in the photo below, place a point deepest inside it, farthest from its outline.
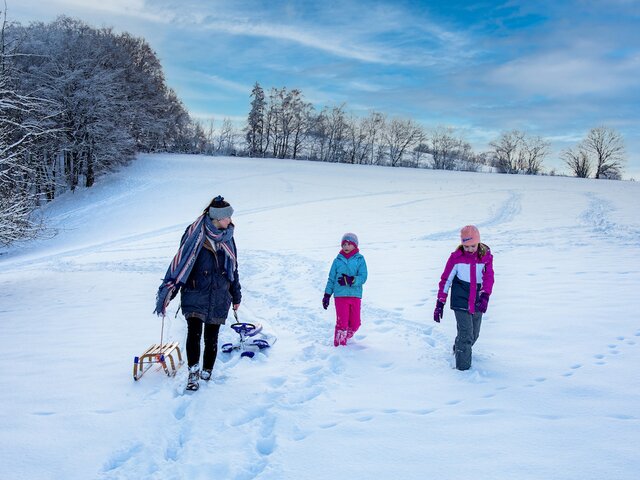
(205, 269)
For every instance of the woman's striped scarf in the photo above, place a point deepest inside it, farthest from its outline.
(190, 245)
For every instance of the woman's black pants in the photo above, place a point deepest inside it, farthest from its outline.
(194, 334)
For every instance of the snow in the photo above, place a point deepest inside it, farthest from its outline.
(553, 391)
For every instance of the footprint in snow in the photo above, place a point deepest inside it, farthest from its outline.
(622, 417)
(180, 410)
(121, 457)
(327, 425)
(424, 411)
(266, 446)
(173, 449)
(312, 370)
(276, 382)
(365, 418)
(350, 411)
(484, 411)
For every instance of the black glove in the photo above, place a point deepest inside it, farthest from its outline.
(438, 312)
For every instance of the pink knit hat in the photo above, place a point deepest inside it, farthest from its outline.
(470, 235)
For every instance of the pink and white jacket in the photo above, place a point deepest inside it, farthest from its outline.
(469, 274)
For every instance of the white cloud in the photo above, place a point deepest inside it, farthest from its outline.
(126, 8)
(567, 73)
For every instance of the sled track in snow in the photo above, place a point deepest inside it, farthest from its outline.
(505, 213)
(597, 217)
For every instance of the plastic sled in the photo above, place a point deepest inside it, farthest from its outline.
(246, 344)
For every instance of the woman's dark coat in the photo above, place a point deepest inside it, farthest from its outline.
(208, 293)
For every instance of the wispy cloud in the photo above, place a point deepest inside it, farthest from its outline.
(367, 37)
(125, 8)
(564, 73)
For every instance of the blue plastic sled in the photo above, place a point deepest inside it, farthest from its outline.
(247, 345)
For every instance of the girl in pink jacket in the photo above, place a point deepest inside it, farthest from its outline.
(469, 274)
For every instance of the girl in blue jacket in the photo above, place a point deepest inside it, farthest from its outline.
(347, 275)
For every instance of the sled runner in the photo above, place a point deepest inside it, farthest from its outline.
(158, 354)
(247, 345)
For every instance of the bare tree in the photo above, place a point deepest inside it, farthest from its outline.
(516, 152)
(535, 149)
(374, 125)
(400, 136)
(577, 159)
(445, 147)
(355, 143)
(226, 138)
(606, 146)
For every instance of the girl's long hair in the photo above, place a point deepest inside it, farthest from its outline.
(482, 249)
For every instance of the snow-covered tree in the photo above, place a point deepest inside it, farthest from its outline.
(255, 122)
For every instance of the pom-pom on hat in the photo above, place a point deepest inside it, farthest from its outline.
(351, 238)
(470, 235)
(219, 208)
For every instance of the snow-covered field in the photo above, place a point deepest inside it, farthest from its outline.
(553, 392)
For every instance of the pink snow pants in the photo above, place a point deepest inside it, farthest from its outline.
(347, 318)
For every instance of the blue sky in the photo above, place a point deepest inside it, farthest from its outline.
(551, 68)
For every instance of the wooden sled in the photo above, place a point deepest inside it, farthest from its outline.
(158, 354)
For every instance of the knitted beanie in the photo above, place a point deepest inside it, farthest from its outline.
(351, 238)
(470, 235)
(219, 209)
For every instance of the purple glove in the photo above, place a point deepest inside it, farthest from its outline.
(438, 312)
(483, 302)
(325, 301)
(346, 280)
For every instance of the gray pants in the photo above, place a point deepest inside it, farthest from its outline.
(468, 332)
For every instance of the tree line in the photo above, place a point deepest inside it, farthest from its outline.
(77, 102)
(282, 125)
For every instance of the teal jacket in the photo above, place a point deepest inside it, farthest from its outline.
(354, 267)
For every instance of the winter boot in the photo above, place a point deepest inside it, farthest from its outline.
(350, 334)
(340, 337)
(206, 374)
(194, 376)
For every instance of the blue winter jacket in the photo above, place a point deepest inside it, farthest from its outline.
(208, 293)
(354, 267)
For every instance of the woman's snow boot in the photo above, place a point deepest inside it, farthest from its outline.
(194, 376)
